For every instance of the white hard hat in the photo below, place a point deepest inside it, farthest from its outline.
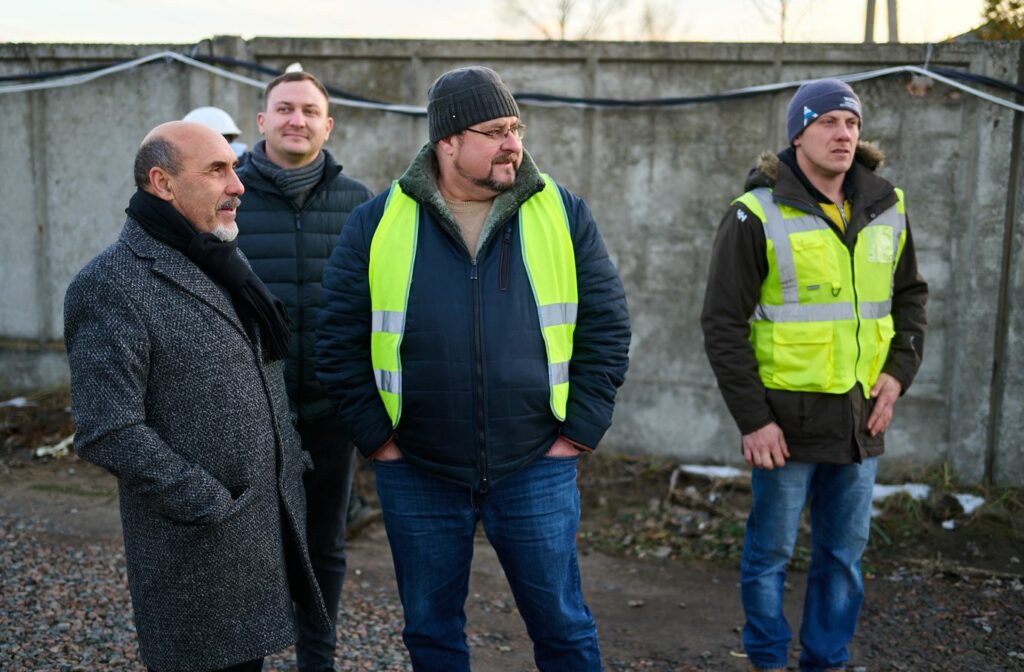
(215, 118)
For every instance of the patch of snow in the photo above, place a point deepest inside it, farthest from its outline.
(17, 402)
(948, 524)
(970, 503)
(915, 490)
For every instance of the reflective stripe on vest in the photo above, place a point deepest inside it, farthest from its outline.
(550, 265)
(392, 256)
(823, 320)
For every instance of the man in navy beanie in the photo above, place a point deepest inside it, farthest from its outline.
(814, 324)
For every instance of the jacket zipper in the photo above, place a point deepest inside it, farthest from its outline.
(300, 262)
(478, 357)
(505, 261)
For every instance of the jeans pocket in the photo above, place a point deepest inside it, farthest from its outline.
(560, 458)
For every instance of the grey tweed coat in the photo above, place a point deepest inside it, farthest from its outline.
(170, 394)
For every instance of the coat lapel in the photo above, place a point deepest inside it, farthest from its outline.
(177, 269)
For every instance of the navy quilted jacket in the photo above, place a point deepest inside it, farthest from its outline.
(287, 248)
(475, 402)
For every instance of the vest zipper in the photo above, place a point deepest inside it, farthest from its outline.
(478, 357)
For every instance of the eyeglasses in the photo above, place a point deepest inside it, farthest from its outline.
(501, 134)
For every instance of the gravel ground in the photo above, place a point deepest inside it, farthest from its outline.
(65, 608)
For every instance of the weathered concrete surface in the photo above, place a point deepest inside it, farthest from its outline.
(657, 180)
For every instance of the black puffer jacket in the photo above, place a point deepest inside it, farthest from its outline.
(288, 248)
(818, 427)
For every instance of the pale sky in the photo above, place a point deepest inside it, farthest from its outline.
(188, 21)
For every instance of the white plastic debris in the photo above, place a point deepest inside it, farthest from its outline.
(949, 524)
(969, 503)
(17, 402)
(711, 472)
(915, 490)
(56, 450)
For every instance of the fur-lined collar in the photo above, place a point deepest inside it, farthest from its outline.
(867, 154)
(420, 182)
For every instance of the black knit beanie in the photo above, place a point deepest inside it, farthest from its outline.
(466, 96)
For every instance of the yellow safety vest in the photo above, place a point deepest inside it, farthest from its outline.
(823, 321)
(550, 265)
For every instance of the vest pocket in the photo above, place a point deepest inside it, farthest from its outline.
(814, 260)
(803, 355)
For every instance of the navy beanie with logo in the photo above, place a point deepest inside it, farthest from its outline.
(814, 99)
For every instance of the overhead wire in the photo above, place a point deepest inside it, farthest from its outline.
(77, 76)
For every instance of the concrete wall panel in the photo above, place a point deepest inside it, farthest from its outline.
(657, 180)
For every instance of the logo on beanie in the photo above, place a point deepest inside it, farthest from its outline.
(809, 115)
(850, 103)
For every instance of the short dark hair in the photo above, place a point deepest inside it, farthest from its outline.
(158, 152)
(300, 76)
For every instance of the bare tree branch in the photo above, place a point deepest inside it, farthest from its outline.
(563, 19)
(778, 13)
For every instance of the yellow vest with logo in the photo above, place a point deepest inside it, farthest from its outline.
(823, 321)
(550, 265)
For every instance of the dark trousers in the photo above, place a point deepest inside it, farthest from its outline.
(250, 666)
(328, 488)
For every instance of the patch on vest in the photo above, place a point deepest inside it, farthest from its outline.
(880, 247)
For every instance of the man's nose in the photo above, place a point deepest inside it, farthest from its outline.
(235, 186)
(512, 142)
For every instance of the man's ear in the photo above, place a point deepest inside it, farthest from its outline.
(447, 145)
(260, 121)
(160, 183)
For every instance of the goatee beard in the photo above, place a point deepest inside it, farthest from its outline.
(493, 185)
(225, 233)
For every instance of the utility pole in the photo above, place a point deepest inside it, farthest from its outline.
(869, 23)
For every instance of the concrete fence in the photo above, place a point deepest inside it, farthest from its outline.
(658, 181)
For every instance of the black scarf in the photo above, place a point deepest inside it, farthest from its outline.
(253, 302)
(295, 183)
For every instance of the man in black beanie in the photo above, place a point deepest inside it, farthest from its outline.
(814, 324)
(473, 333)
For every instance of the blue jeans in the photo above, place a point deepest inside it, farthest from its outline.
(531, 519)
(840, 503)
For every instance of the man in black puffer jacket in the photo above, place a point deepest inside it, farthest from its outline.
(296, 203)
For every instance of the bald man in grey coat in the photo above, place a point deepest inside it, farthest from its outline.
(177, 389)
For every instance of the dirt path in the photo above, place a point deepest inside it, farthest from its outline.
(653, 614)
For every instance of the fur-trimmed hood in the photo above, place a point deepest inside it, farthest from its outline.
(766, 171)
(420, 182)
